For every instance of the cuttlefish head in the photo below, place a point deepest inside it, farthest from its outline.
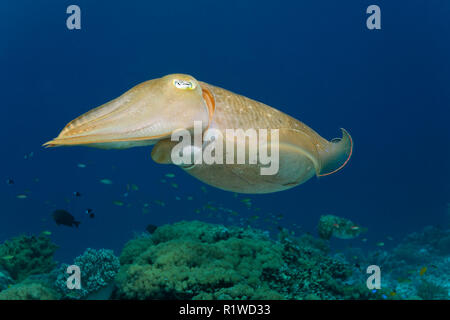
(145, 114)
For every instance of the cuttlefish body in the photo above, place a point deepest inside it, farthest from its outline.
(152, 111)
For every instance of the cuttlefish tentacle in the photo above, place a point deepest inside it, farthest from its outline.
(149, 113)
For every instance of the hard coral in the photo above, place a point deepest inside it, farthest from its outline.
(195, 260)
(27, 255)
(29, 291)
(98, 269)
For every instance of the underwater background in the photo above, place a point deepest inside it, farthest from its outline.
(314, 60)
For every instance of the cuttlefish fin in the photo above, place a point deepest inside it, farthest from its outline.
(334, 155)
(161, 152)
(327, 157)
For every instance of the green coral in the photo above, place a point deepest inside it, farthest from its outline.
(29, 291)
(26, 255)
(330, 225)
(196, 260)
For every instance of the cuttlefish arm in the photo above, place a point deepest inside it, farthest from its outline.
(145, 114)
(149, 113)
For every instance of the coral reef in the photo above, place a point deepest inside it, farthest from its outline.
(29, 290)
(330, 225)
(417, 268)
(196, 260)
(98, 269)
(26, 255)
(5, 279)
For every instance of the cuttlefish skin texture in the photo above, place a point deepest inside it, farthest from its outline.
(150, 112)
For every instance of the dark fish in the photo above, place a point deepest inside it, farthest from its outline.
(9, 181)
(77, 194)
(65, 218)
(90, 213)
(151, 228)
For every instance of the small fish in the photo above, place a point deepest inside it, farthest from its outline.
(203, 189)
(384, 296)
(393, 294)
(389, 238)
(10, 181)
(177, 198)
(364, 240)
(134, 187)
(163, 180)
(380, 244)
(423, 270)
(118, 203)
(106, 181)
(46, 233)
(81, 165)
(160, 203)
(374, 291)
(335, 225)
(76, 194)
(354, 227)
(90, 213)
(174, 185)
(190, 198)
(170, 175)
(28, 155)
(21, 196)
(8, 257)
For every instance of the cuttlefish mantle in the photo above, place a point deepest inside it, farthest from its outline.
(152, 111)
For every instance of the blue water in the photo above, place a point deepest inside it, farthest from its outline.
(314, 60)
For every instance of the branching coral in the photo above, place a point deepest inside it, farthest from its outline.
(27, 255)
(98, 269)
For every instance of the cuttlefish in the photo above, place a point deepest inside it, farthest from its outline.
(149, 113)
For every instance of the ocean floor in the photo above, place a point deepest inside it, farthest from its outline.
(198, 260)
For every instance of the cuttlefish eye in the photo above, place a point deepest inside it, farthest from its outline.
(184, 84)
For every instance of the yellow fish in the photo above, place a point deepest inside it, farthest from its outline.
(423, 270)
(7, 257)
